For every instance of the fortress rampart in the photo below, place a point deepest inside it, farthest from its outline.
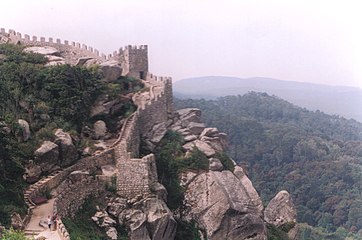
(135, 176)
(133, 59)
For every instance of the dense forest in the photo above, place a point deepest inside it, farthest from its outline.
(315, 156)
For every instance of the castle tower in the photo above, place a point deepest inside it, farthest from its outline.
(134, 61)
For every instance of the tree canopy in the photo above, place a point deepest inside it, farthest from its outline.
(315, 156)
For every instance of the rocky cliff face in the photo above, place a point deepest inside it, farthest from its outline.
(224, 203)
(225, 207)
(280, 210)
(145, 219)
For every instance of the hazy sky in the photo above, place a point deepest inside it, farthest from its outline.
(310, 41)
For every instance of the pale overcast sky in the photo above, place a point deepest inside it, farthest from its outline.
(311, 41)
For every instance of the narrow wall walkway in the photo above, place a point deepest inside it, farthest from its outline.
(40, 213)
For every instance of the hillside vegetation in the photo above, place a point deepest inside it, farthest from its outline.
(47, 97)
(341, 100)
(315, 156)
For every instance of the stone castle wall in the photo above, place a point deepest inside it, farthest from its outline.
(71, 50)
(133, 59)
(74, 194)
(135, 176)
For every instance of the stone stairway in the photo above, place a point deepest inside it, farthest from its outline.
(31, 234)
(40, 213)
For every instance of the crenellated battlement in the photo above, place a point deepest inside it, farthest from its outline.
(25, 39)
(133, 59)
(135, 176)
(132, 47)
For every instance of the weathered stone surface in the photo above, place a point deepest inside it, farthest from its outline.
(87, 151)
(209, 132)
(4, 39)
(155, 135)
(135, 220)
(160, 221)
(245, 181)
(100, 129)
(190, 138)
(186, 120)
(91, 62)
(188, 111)
(78, 176)
(46, 50)
(47, 155)
(223, 206)
(32, 172)
(67, 150)
(214, 142)
(111, 70)
(81, 61)
(186, 178)
(103, 106)
(112, 233)
(215, 164)
(147, 218)
(196, 128)
(54, 60)
(16, 221)
(160, 191)
(103, 220)
(184, 131)
(109, 170)
(25, 129)
(202, 146)
(115, 207)
(280, 210)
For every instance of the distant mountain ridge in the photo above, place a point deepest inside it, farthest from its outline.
(339, 100)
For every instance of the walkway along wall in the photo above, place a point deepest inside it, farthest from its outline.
(136, 177)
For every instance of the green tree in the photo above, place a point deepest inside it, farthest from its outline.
(12, 234)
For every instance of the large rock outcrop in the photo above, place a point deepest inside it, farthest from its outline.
(187, 122)
(145, 219)
(47, 156)
(224, 207)
(24, 125)
(51, 53)
(281, 210)
(111, 70)
(67, 150)
(224, 204)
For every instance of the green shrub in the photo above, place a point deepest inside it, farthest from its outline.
(81, 226)
(171, 162)
(275, 233)
(12, 234)
(226, 161)
(196, 161)
(187, 230)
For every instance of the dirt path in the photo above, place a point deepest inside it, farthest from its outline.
(40, 213)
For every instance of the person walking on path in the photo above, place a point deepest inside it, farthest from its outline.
(54, 221)
(49, 221)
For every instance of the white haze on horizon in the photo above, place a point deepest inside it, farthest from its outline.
(309, 41)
